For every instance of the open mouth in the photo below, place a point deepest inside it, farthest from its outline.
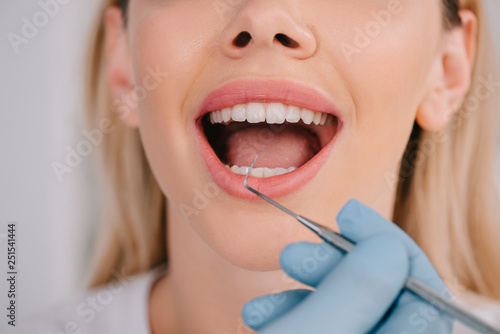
(290, 126)
(285, 137)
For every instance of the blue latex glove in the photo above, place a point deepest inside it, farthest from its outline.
(356, 293)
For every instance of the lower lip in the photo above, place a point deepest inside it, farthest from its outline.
(275, 186)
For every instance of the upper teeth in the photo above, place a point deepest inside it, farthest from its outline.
(271, 113)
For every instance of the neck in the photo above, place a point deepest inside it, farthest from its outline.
(202, 293)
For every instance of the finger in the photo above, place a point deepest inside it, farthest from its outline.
(415, 316)
(261, 311)
(355, 295)
(358, 222)
(309, 262)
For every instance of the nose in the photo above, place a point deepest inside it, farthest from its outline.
(267, 24)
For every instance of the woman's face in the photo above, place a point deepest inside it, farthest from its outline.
(367, 64)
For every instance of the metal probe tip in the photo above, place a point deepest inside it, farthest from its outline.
(248, 174)
(264, 197)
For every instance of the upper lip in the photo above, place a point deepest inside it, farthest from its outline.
(288, 92)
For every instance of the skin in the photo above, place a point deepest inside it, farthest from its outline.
(228, 252)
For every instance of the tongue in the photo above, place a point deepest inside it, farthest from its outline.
(289, 147)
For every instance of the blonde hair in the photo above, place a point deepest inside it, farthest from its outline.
(446, 199)
(132, 237)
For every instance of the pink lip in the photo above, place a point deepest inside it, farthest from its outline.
(258, 90)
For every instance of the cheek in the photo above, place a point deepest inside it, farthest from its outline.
(385, 60)
(384, 81)
(171, 53)
(161, 39)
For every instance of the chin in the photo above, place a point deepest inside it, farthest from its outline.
(249, 234)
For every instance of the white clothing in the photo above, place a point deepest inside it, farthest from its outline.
(119, 308)
(122, 308)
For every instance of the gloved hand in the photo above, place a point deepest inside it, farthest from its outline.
(356, 293)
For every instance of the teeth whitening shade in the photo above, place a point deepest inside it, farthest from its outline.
(418, 288)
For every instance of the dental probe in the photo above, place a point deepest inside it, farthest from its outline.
(413, 285)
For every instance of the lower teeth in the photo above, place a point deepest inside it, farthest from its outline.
(260, 172)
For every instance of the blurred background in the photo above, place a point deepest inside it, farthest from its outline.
(41, 121)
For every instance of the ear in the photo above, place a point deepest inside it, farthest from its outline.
(451, 77)
(119, 66)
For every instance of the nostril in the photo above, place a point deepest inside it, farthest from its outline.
(286, 41)
(242, 39)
